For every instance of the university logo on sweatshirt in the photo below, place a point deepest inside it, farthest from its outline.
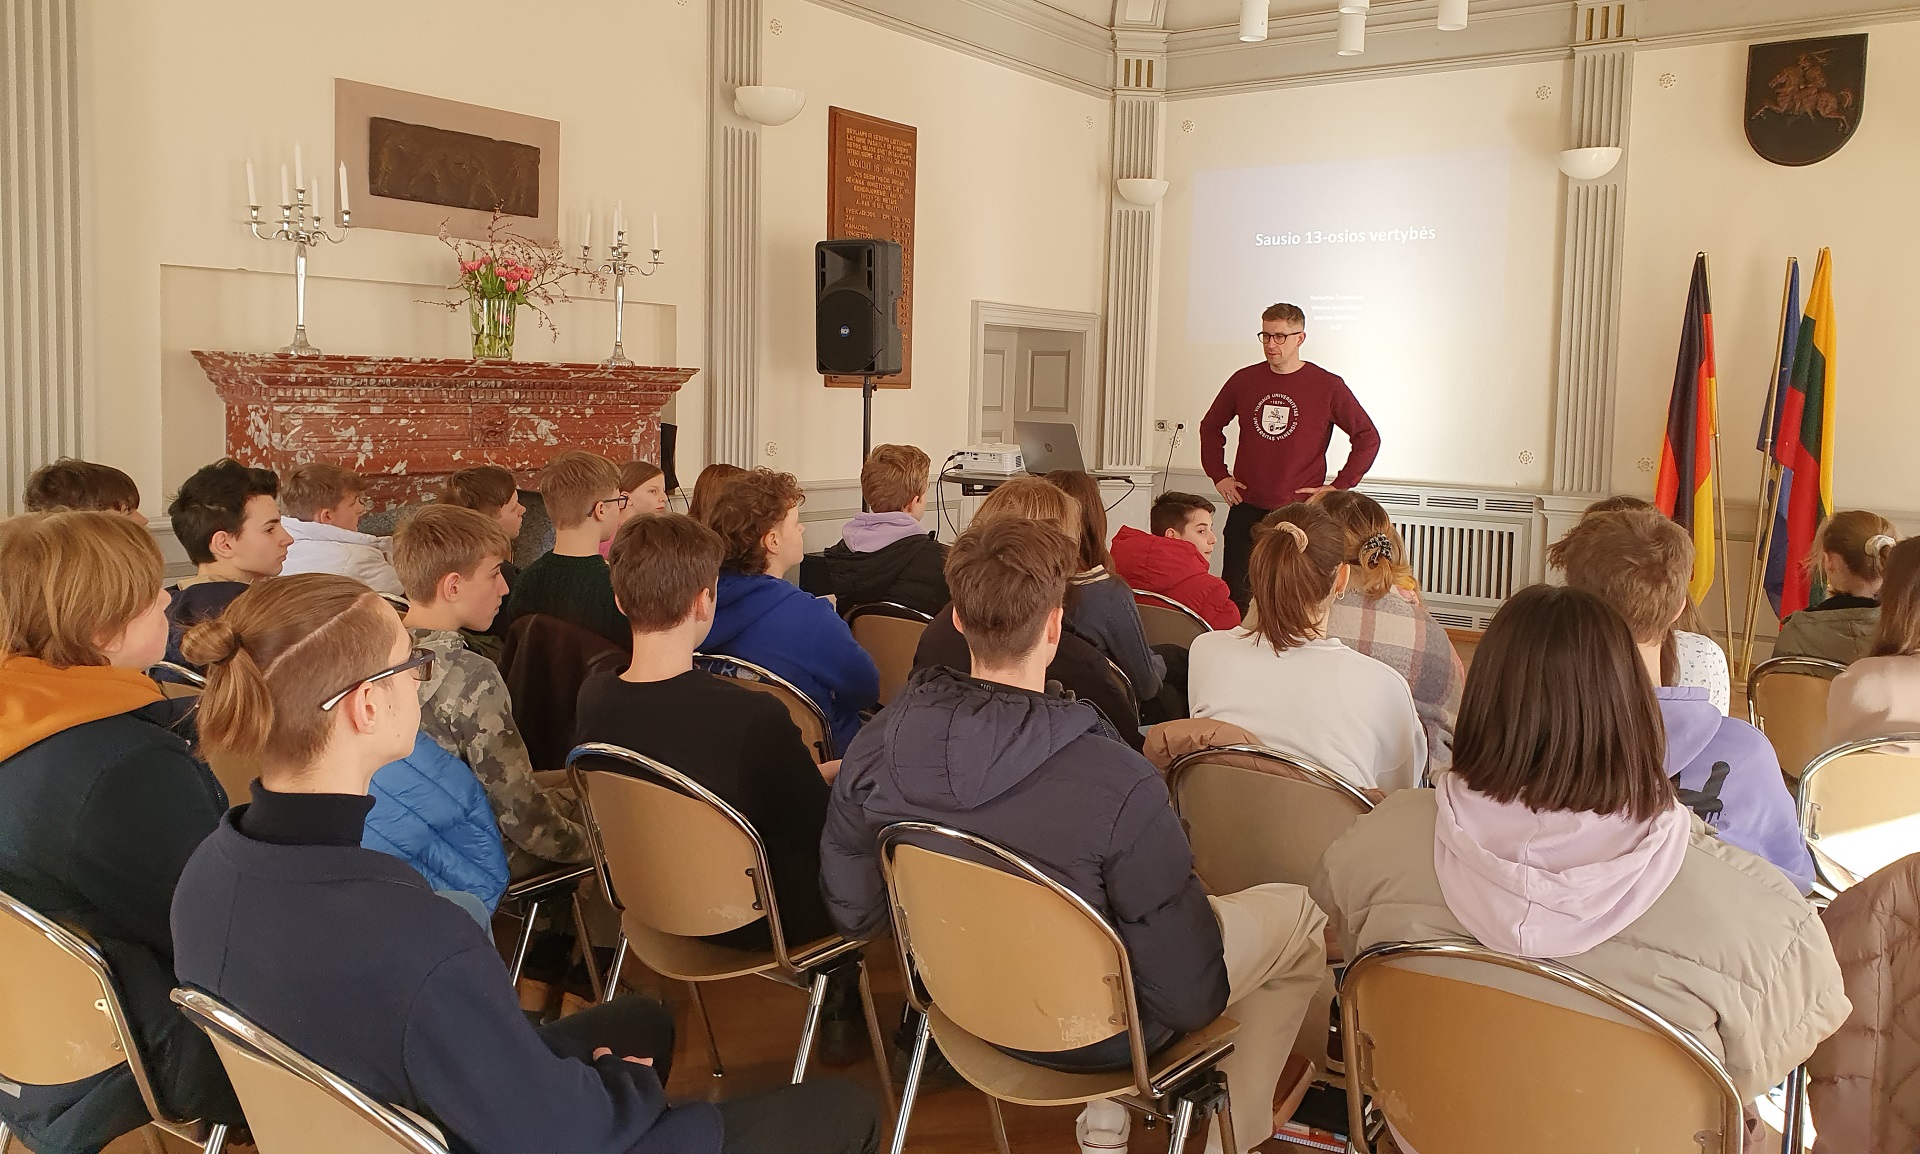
(1276, 411)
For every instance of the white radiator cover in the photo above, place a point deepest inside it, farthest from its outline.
(1470, 549)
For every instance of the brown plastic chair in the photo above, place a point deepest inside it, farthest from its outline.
(807, 714)
(1460, 1061)
(681, 865)
(1166, 621)
(1787, 701)
(523, 899)
(61, 1019)
(1255, 815)
(296, 1106)
(1860, 807)
(1001, 955)
(890, 633)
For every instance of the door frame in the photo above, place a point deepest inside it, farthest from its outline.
(1093, 381)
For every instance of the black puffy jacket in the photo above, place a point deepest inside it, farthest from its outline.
(910, 572)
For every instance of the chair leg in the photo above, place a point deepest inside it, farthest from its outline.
(713, 1044)
(999, 1125)
(816, 1001)
(1793, 1126)
(216, 1139)
(1229, 1141)
(1182, 1125)
(525, 943)
(600, 992)
(921, 1038)
(612, 988)
(876, 1037)
(6, 1136)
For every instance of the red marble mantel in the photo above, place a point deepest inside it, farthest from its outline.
(406, 423)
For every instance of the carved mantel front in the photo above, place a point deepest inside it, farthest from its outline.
(405, 423)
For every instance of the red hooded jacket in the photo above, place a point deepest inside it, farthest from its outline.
(1173, 567)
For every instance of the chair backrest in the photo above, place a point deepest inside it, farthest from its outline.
(1123, 685)
(59, 1018)
(673, 856)
(296, 1106)
(172, 673)
(1005, 952)
(806, 713)
(1166, 621)
(1460, 1061)
(1860, 806)
(1255, 815)
(890, 638)
(1787, 701)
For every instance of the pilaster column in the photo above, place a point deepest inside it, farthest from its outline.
(732, 373)
(1602, 92)
(1126, 406)
(42, 346)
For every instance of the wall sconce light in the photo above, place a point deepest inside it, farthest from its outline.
(1589, 163)
(767, 105)
(1140, 190)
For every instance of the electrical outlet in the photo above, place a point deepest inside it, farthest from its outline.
(773, 448)
(1159, 426)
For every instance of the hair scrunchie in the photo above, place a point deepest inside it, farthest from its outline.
(1376, 549)
(1298, 534)
(1879, 541)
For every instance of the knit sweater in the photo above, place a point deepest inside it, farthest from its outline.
(1101, 609)
(576, 589)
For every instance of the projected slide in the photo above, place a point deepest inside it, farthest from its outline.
(1399, 262)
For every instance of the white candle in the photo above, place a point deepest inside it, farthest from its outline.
(319, 218)
(586, 230)
(619, 226)
(285, 196)
(299, 171)
(253, 198)
(343, 187)
(656, 232)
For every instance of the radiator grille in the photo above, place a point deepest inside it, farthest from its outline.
(1457, 562)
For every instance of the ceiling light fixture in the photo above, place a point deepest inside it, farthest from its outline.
(1353, 34)
(1453, 15)
(1253, 20)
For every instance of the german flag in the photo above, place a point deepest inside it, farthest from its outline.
(1805, 444)
(1684, 487)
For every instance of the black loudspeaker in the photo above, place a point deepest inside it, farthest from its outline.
(669, 437)
(856, 303)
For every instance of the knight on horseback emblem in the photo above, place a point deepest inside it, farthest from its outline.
(1804, 97)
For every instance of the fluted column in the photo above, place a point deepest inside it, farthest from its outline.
(42, 347)
(733, 180)
(1591, 262)
(1132, 252)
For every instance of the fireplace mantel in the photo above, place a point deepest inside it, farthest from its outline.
(405, 423)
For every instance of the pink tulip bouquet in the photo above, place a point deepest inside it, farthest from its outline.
(501, 273)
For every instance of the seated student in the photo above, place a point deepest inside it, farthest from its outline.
(1102, 609)
(449, 561)
(1381, 615)
(1558, 835)
(885, 553)
(773, 623)
(1880, 693)
(1078, 665)
(101, 802)
(994, 754)
(70, 483)
(322, 505)
(227, 519)
(1723, 769)
(1285, 679)
(1852, 550)
(346, 955)
(707, 486)
(1689, 656)
(1172, 560)
(582, 495)
(644, 485)
(491, 491)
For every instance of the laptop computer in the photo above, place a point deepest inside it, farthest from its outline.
(1049, 445)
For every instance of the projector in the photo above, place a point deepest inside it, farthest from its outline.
(1003, 460)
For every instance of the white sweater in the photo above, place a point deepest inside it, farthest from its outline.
(321, 548)
(1320, 701)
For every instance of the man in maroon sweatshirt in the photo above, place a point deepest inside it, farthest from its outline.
(1287, 409)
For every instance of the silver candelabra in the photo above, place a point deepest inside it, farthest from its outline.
(618, 265)
(302, 224)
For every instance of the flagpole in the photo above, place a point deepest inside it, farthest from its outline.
(1719, 490)
(1769, 497)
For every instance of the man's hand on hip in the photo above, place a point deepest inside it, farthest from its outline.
(1230, 489)
(1314, 492)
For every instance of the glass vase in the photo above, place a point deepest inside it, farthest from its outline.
(492, 319)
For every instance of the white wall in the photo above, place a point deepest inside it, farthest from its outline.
(1500, 432)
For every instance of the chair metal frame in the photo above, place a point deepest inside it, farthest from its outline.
(1317, 774)
(531, 893)
(726, 665)
(809, 971)
(186, 676)
(1732, 1125)
(216, 1017)
(399, 603)
(1143, 598)
(87, 954)
(904, 612)
(1148, 1096)
(1808, 810)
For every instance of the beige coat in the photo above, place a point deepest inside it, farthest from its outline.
(1866, 1078)
(1875, 697)
(1729, 952)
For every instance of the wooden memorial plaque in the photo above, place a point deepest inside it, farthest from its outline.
(870, 178)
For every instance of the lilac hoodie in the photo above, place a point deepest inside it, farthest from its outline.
(872, 532)
(1748, 806)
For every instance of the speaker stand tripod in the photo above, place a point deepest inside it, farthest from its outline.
(866, 426)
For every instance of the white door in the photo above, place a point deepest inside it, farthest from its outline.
(999, 364)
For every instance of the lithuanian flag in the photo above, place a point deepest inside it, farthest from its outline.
(1684, 487)
(1805, 443)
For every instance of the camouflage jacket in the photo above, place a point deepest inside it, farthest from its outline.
(466, 709)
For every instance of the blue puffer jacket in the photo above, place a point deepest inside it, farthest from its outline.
(430, 812)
